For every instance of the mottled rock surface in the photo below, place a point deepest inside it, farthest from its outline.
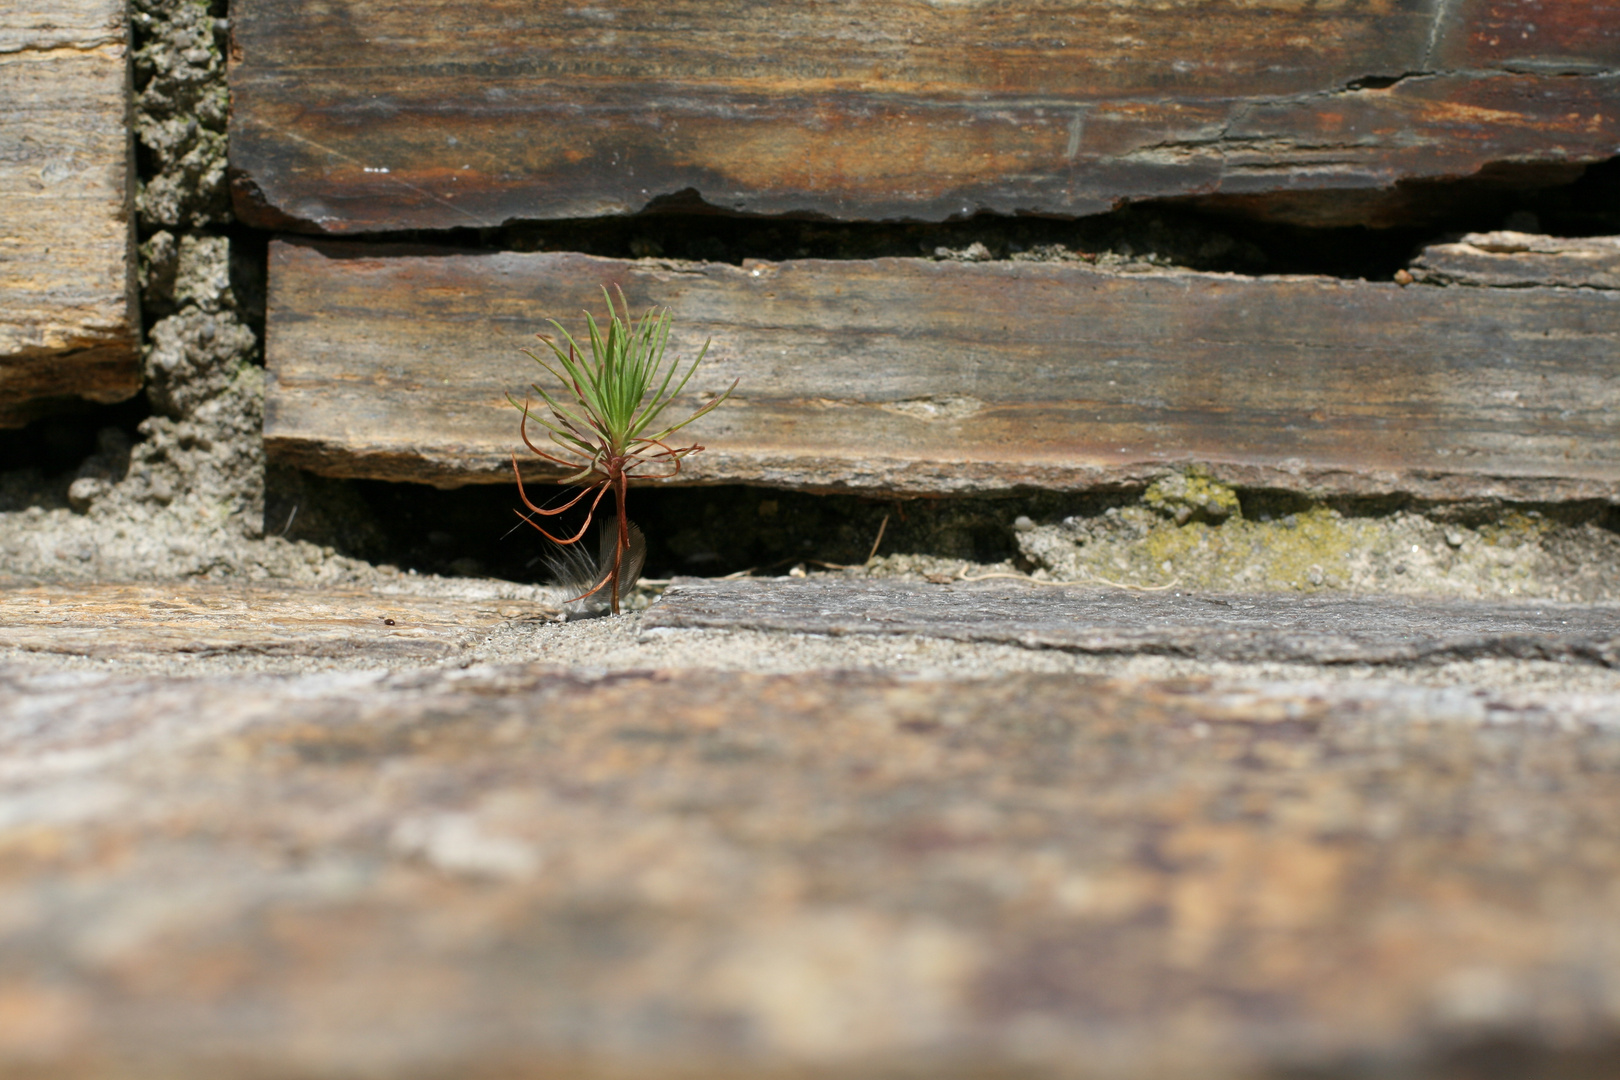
(933, 376)
(372, 116)
(358, 626)
(579, 868)
(1514, 258)
(1320, 629)
(527, 871)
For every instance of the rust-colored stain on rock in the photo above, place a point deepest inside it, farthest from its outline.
(372, 116)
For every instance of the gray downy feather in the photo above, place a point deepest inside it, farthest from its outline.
(573, 570)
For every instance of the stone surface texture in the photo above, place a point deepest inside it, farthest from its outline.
(479, 842)
(929, 377)
(1514, 258)
(376, 116)
(1318, 629)
(68, 322)
(364, 626)
(529, 871)
(379, 825)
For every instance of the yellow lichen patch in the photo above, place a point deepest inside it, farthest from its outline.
(1514, 529)
(1308, 551)
(1184, 496)
(1316, 548)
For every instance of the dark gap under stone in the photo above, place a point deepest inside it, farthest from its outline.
(726, 529)
(37, 462)
(1227, 234)
(708, 531)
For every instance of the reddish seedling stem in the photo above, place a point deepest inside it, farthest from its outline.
(615, 475)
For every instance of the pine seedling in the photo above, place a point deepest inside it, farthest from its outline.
(607, 420)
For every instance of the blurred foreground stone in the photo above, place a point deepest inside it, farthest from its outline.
(528, 872)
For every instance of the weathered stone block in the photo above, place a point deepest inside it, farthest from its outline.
(67, 315)
(373, 116)
(106, 621)
(1114, 621)
(908, 375)
(1516, 259)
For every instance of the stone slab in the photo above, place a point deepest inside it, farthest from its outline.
(112, 620)
(1515, 259)
(373, 116)
(1274, 627)
(922, 377)
(530, 872)
(67, 310)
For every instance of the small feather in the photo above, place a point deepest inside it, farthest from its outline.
(572, 569)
